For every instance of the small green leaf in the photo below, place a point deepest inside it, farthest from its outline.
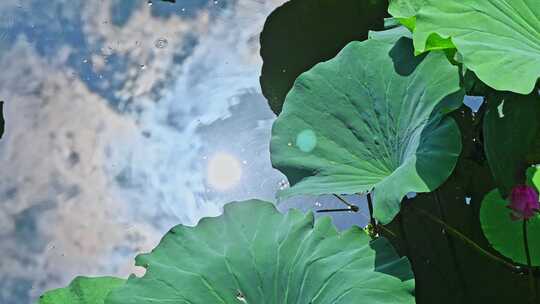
(82, 290)
(511, 124)
(498, 39)
(409, 23)
(378, 114)
(435, 42)
(254, 254)
(302, 33)
(506, 235)
(533, 177)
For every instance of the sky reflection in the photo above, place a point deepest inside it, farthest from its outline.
(121, 120)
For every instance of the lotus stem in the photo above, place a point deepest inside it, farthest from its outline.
(370, 206)
(467, 241)
(334, 210)
(351, 206)
(532, 279)
(452, 246)
(355, 208)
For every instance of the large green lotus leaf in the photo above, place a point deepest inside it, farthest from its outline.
(405, 8)
(405, 11)
(373, 117)
(254, 254)
(498, 39)
(82, 290)
(506, 235)
(302, 33)
(511, 124)
(390, 35)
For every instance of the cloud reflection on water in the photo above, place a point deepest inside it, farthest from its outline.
(108, 137)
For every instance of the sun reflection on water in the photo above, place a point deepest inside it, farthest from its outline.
(224, 171)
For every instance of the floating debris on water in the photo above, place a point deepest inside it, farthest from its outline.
(161, 43)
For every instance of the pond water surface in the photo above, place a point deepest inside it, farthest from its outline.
(123, 119)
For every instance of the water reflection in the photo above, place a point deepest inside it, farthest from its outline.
(224, 171)
(124, 119)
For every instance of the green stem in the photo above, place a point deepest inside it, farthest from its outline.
(334, 210)
(452, 247)
(466, 240)
(370, 206)
(352, 207)
(532, 280)
(355, 208)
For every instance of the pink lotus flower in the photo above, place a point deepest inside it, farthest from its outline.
(523, 202)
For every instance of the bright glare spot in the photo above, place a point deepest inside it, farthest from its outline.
(306, 140)
(224, 171)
